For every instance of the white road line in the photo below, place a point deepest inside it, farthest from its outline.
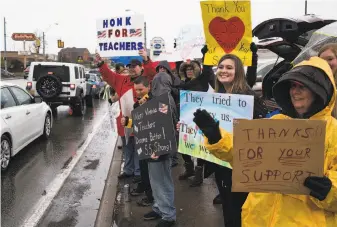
(54, 187)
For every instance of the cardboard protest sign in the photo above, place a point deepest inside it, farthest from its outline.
(120, 36)
(272, 155)
(228, 30)
(153, 128)
(223, 107)
(189, 42)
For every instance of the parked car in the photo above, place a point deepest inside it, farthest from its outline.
(286, 37)
(59, 83)
(5, 73)
(95, 84)
(263, 68)
(23, 119)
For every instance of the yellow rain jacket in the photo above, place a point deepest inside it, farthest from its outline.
(281, 210)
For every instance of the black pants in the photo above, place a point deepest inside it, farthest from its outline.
(123, 141)
(188, 159)
(145, 183)
(232, 202)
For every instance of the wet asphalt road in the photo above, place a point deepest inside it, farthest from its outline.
(37, 165)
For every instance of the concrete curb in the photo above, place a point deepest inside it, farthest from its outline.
(106, 209)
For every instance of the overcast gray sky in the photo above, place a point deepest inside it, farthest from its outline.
(77, 19)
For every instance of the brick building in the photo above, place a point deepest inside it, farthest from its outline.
(71, 55)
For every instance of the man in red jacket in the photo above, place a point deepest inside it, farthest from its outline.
(123, 85)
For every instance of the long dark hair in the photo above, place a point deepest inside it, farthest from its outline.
(239, 83)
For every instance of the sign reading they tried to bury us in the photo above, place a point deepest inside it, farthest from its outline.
(272, 155)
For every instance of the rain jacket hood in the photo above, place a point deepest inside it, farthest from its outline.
(166, 65)
(316, 75)
(288, 210)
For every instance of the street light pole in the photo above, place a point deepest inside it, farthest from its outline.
(44, 41)
(5, 44)
(44, 46)
(306, 7)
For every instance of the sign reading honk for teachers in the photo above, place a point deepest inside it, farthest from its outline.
(228, 30)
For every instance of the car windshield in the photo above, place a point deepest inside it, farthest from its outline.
(60, 71)
(92, 77)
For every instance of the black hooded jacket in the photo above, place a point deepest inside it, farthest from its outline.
(175, 80)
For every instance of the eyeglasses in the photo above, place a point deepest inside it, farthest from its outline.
(189, 69)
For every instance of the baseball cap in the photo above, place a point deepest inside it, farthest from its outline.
(135, 62)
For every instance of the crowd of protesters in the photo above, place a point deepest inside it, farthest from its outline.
(307, 91)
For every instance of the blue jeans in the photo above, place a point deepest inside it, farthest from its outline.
(131, 164)
(162, 189)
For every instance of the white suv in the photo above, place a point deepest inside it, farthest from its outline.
(59, 83)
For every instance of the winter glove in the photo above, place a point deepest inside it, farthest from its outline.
(204, 50)
(319, 186)
(253, 48)
(207, 125)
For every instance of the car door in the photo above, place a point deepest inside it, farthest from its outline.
(33, 112)
(15, 117)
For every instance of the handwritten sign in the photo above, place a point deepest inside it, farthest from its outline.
(222, 107)
(228, 30)
(189, 42)
(277, 155)
(153, 128)
(120, 36)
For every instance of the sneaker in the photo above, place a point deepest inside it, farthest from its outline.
(144, 202)
(151, 216)
(217, 200)
(164, 223)
(136, 179)
(136, 192)
(124, 175)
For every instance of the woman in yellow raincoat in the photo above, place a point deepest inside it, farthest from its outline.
(308, 91)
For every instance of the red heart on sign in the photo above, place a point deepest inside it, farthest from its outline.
(228, 33)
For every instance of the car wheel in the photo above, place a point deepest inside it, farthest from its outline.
(6, 151)
(79, 108)
(47, 126)
(89, 101)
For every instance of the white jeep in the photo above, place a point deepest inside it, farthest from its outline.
(59, 83)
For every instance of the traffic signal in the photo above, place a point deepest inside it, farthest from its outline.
(60, 44)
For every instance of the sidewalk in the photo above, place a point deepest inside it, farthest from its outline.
(194, 205)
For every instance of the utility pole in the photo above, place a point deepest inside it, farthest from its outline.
(5, 44)
(306, 7)
(44, 46)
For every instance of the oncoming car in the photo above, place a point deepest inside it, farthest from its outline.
(23, 119)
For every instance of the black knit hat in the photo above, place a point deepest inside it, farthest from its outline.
(311, 77)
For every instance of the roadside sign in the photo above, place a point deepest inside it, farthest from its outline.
(80, 59)
(24, 53)
(23, 36)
